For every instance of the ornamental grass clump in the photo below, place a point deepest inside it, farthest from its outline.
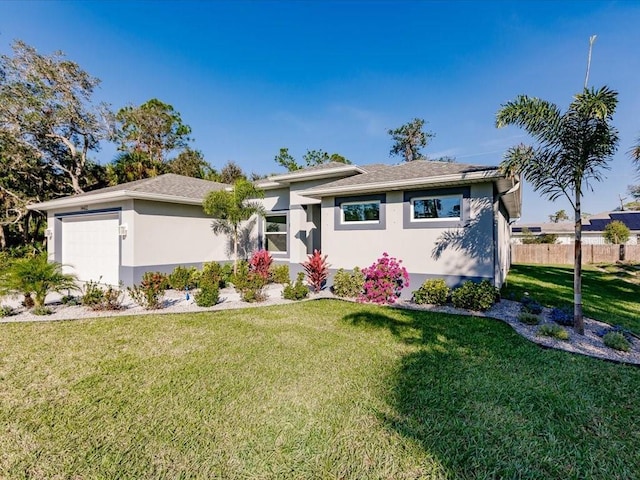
(384, 280)
(617, 341)
(317, 270)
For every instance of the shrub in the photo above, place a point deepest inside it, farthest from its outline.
(241, 276)
(384, 280)
(348, 284)
(41, 310)
(249, 285)
(317, 270)
(150, 291)
(98, 298)
(618, 329)
(183, 277)
(280, 274)
(35, 277)
(297, 290)
(617, 341)
(213, 272)
(7, 311)
(70, 300)
(434, 292)
(209, 292)
(529, 318)
(475, 296)
(562, 316)
(553, 330)
(260, 264)
(530, 305)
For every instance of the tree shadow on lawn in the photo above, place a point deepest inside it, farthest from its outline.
(489, 404)
(606, 297)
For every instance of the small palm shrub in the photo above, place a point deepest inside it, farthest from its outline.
(260, 264)
(183, 277)
(475, 296)
(434, 292)
(348, 284)
(297, 290)
(553, 330)
(617, 341)
(317, 270)
(528, 318)
(279, 273)
(150, 291)
(35, 277)
(209, 292)
(384, 280)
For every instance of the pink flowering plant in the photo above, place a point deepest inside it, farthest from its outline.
(384, 280)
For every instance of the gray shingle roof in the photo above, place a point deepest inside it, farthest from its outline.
(380, 173)
(167, 184)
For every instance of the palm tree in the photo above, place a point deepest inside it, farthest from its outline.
(231, 208)
(571, 149)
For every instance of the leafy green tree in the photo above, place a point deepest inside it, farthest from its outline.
(46, 107)
(231, 208)
(571, 149)
(409, 140)
(154, 129)
(616, 232)
(131, 166)
(559, 216)
(191, 163)
(311, 158)
(286, 160)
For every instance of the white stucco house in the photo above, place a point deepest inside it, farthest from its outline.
(443, 220)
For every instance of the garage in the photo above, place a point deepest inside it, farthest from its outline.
(90, 247)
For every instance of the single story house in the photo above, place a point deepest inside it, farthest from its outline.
(592, 228)
(443, 220)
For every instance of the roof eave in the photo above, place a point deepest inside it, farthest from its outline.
(111, 197)
(303, 176)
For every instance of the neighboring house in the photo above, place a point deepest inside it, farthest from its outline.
(592, 228)
(443, 220)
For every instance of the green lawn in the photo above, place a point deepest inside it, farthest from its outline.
(322, 389)
(610, 294)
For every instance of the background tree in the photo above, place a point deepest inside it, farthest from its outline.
(131, 166)
(46, 106)
(559, 216)
(616, 232)
(231, 208)
(191, 163)
(154, 129)
(572, 149)
(311, 158)
(231, 173)
(286, 160)
(409, 140)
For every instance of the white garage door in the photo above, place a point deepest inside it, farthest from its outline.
(91, 247)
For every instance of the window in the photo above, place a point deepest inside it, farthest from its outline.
(425, 209)
(275, 233)
(360, 212)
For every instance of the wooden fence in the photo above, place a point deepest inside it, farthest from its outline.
(550, 254)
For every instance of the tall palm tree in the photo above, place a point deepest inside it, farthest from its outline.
(571, 149)
(230, 208)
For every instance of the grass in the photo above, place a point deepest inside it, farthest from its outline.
(609, 295)
(321, 389)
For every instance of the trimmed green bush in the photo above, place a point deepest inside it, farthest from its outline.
(280, 273)
(434, 291)
(553, 330)
(209, 293)
(297, 290)
(475, 296)
(213, 272)
(617, 341)
(183, 277)
(528, 318)
(348, 284)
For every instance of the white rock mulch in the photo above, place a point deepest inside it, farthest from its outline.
(507, 311)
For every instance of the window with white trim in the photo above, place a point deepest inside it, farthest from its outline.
(425, 209)
(275, 233)
(360, 212)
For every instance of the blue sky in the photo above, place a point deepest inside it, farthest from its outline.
(251, 77)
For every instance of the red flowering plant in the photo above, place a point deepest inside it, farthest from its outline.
(260, 264)
(317, 270)
(384, 280)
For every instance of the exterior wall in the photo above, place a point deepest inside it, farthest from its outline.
(454, 253)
